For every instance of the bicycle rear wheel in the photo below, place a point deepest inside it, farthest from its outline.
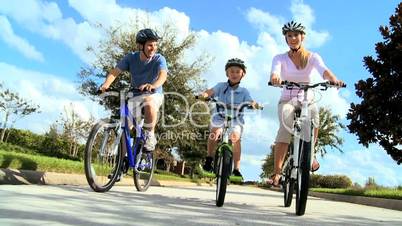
(303, 177)
(222, 174)
(102, 157)
(144, 170)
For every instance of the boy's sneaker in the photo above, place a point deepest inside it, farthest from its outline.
(150, 141)
(237, 173)
(208, 164)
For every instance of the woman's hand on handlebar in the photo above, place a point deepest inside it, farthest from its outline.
(340, 83)
(275, 79)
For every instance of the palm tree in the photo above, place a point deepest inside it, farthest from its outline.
(328, 132)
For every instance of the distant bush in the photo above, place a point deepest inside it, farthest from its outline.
(330, 181)
(25, 141)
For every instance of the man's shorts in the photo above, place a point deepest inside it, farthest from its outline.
(136, 103)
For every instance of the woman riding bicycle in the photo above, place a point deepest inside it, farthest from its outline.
(295, 65)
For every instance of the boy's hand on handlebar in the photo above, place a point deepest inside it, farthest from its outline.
(256, 106)
(202, 96)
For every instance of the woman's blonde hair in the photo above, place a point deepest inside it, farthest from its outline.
(304, 53)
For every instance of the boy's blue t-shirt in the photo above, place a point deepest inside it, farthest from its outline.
(143, 71)
(231, 95)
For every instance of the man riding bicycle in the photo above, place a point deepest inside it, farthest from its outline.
(148, 71)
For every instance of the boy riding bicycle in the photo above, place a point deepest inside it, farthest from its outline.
(230, 93)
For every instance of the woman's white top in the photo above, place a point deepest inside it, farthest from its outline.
(284, 67)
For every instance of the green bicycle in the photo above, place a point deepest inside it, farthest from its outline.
(223, 161)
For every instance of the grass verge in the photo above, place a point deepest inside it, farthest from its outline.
(387, 193)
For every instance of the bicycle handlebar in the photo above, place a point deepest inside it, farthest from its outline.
(134, 90)
(290, 85)
(223, 105)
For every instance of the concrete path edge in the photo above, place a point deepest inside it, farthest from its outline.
(18, 177)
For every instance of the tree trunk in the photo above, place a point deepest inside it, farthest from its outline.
(70, 149)
(8, 134)
(4, 126)
(75, 154)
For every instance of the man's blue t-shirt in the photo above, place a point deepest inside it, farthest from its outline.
(143, 71)
(231, 95)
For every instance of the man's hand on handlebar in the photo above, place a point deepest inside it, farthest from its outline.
(147, 87)
(103, 88)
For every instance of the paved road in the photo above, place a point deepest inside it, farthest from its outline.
(74, 205)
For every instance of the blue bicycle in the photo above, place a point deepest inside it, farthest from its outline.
(115, 145)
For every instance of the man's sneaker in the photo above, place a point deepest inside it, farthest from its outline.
(118, 178)
(208, 164)
(150, 141)
(237, 173)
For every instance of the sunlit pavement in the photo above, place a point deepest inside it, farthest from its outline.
(123, 205)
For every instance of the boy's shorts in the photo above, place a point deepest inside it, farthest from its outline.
(236, 127)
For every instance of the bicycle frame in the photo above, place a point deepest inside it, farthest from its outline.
(224, 141)
(124, 128)
(302, 130)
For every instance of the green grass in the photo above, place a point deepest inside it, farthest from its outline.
(23, 161)
(387, 193)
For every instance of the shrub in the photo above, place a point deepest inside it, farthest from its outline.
(330, 181)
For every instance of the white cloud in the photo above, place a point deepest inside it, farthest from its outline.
(268, 23)
(304, 14)
(52, 93)
(252, 159)
(361, 164)
(17, 42)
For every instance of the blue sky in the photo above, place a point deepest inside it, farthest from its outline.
(43, 49)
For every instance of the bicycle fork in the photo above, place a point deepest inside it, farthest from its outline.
(303, 132)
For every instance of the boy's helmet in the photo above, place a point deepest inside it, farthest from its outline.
(236, 62)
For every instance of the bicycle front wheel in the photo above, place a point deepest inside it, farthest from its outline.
(303, 177)
(144, 170)
(288, 187)
(103, 156)
(222, 175)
